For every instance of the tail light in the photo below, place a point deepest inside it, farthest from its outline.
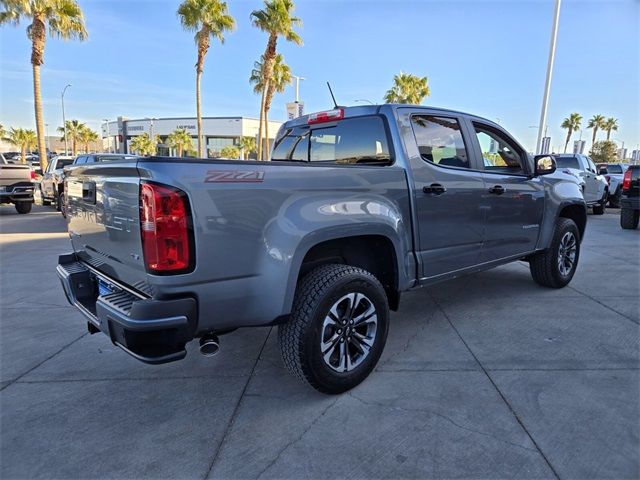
(328, 116)
(166, 234)
(626, 180)
(33, 175)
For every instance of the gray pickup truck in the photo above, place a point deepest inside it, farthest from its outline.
(357, 205)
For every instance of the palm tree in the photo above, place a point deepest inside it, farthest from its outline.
(280, 78)
(596, 122)
(74, 130)
(180, 140)
(86, 137)
(25, 140)
(248, 146)
(3, 132)
(209, 19)
(275, 19)
(571, 123)
(408, 88)
(231, 152)
(609, 125)
(65, 20)
(144, 144)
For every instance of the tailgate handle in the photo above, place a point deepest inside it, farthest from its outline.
(89, 192)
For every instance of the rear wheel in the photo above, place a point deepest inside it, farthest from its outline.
(61, 205)
(23, 207)
(629, 218)
(555, 267)
(598, 209)
(46, 203)
(614, 200)
(337, 328)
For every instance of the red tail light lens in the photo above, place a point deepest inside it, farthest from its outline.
(33, 175)
(323, 117)
(164, 226)
(626, 180)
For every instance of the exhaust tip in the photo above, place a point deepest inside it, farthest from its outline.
(209, 345)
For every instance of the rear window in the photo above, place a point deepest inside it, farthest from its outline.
(567, 162)
(353, 141)
(613, 168)
(63, 162)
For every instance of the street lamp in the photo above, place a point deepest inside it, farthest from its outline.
(547, 84)
(48, 138)
(106, 121)
(298, 86)
(64, 121)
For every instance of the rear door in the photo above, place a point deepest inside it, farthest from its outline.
(448, 190)
(513, 197)
(104, 219)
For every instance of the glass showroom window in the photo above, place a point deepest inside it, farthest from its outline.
(216, 144)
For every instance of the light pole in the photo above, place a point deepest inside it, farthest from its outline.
(547, 85)
(298, 86)
(106, 121)
(64, 121)
(151, 131)
(48, 138)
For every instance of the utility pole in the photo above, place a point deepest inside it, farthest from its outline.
(64, 122)
(106, 121)
(547, 85)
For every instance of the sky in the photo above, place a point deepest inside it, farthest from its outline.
(483, 57)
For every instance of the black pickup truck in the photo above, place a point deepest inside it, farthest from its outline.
(630, 198)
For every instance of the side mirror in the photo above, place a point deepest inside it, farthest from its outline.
(545, 164)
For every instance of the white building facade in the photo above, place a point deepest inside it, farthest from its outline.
(218, 132)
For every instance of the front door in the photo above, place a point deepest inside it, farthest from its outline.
(513, 198)
(448, 190)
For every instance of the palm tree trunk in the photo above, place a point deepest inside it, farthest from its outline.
(38, 35)
(608, 134)
(23, 153)
(267, 153)
(566, 143)
(261, 123)
(593, 138)
(199, 115)
(75, 147)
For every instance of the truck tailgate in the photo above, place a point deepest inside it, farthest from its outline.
(10, 174)
(104, 221)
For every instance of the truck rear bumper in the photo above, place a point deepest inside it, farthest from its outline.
(152, 331)
(18, 192)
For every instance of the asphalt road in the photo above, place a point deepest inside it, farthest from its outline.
(488, 376)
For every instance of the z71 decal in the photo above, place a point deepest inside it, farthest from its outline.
(234, 176)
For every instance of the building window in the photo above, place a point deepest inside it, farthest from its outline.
(216, 144)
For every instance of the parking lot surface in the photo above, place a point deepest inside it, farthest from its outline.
(488, 376)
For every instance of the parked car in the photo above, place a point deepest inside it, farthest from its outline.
(16, 185)
(613, 173)
(630, 198)
(82, 160)
(594, 186)
(357, 205)
(51, 184)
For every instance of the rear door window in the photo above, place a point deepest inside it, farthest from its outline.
(440, 140)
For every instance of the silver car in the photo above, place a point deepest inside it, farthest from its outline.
(594, 186)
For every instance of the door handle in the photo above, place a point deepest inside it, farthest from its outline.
(497, 190)
(434, 189)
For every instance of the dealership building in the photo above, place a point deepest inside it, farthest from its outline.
(218, 132)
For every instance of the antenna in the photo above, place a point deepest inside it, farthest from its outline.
(334, 98)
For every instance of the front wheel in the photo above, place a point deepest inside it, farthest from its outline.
(62, 206)
(23, 207)
(629, 218)
(556, 266)
(337, 328)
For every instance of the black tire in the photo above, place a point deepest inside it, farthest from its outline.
(614, 200)
(23, 207)
(58, 203)
(46, 203)
(61, 205)
(598, 209)
(545, 266)
(300, 339)
(629, 218)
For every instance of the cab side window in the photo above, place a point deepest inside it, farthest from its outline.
(440, 140)
(499, 153)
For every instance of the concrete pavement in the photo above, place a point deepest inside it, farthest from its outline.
(488, 376)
